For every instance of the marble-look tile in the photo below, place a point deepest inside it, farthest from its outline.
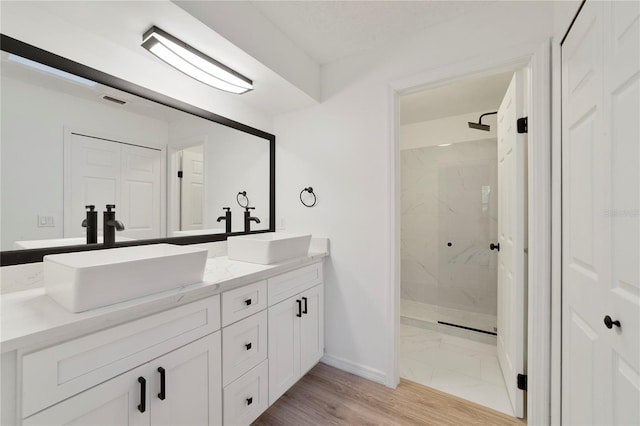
(461, 367)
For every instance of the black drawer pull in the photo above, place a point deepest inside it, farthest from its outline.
(142, 407)
(162, 394)
(247, 302)
(609, 323)
(299, 314)
(304, 311)
(248, 346)
(250, 400)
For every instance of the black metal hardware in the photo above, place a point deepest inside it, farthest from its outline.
(179, 174)
(523, 125)
(304, 311)
(522, 382)
(449, 244)
(91, 223)
(299, 314)
(610, 323)
(249, 400)
(494, 246)
(310, 191)
(162, 395)
(248, 219)
(226, 218)
(244, 195)
(248, 346)
(247, 302)
(142, 407)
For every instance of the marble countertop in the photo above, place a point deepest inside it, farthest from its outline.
(32, 319)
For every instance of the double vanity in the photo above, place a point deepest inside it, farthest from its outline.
(219, 350)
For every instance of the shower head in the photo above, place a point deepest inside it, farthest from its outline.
(479, 125)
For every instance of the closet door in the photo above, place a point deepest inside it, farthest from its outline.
(93, 177)
(600, 186)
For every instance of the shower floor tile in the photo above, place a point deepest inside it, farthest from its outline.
(461, 367)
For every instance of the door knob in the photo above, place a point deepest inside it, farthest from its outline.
(494, 246)
(609, 323)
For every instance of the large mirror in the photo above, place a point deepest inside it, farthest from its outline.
(73, 137)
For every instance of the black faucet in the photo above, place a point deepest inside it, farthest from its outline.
(91, 223)
(110, 226)
(248, 219)
(227, 219)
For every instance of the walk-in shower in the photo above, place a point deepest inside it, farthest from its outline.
(449, 219)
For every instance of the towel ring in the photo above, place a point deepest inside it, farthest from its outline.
(310, 191)
(243, 194)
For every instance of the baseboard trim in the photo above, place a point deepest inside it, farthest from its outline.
(353, 368)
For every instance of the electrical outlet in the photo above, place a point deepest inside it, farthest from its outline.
(46, 221)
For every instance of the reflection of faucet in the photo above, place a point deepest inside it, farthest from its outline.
(110, 226)
(227, 219)
(248, 219)
(91, 223)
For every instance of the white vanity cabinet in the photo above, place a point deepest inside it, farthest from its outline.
(189, 393)
(244, 353)
(115, 376)
(296, 326)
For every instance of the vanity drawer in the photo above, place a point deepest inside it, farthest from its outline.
(243, 301)
(246, 398)
(58, 372)
(291, 283)
(244, 345)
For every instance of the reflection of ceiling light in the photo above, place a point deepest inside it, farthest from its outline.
(444, 144)
(50, 70)
(194, 63)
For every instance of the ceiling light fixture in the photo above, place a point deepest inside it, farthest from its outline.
(194, 63)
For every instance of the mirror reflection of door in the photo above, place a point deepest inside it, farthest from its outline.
(100, 172)
(192, 188)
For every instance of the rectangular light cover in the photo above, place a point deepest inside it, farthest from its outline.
(194, 63)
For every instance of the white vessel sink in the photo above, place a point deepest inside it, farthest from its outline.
(91, 279)
(268, 248)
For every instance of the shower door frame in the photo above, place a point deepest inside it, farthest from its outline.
(543, 335)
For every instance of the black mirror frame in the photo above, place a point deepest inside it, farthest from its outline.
(16, 257)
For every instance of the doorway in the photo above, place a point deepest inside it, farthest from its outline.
(463, 304)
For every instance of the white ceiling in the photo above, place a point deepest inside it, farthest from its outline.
(331, 30)
(481, 94)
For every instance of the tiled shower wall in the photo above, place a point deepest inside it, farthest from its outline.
(449, 218)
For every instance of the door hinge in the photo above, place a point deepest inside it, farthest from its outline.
(522, 382)
(180, 174)
(523, 125)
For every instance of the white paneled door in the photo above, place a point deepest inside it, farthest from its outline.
(100, 172)
(600, 216)
(511, 237)
(192, 190)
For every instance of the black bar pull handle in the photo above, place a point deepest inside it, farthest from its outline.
(162, 395)
(248, 345)
(247, 302)
(299, 314)
(250, 400)
(304, 311)
(142, 407)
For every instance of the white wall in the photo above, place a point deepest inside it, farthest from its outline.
(32, 136)
(446, 130)
(342, 149)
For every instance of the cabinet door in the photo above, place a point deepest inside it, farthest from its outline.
(311, 328)
(192, 385)
(115, 402)
(284, 344)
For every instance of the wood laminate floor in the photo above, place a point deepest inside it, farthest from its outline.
(328, 396)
